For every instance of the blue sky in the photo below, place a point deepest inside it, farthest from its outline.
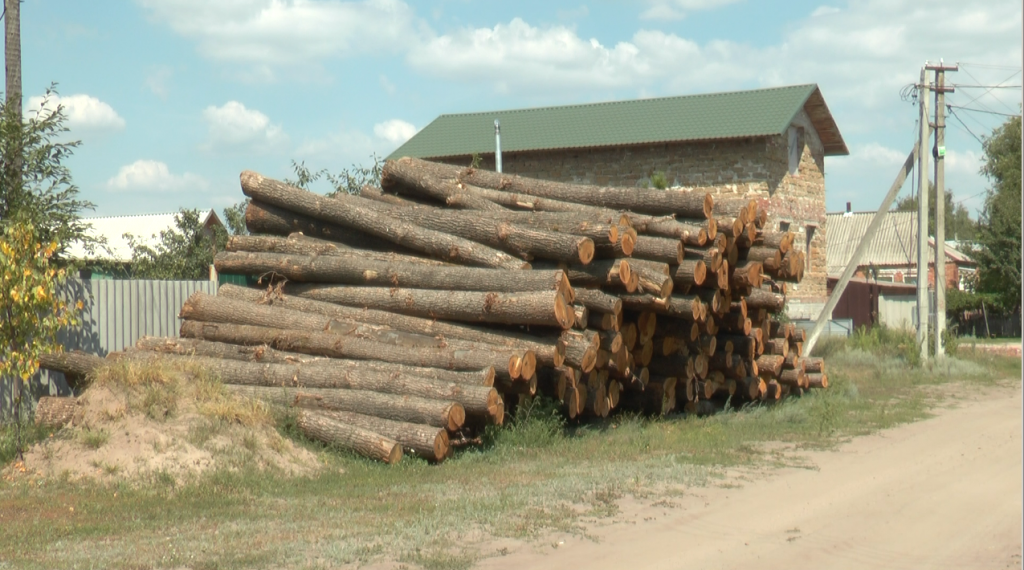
(173, 98)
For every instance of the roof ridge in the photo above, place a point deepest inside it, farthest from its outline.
(144, 215)
(624, 101)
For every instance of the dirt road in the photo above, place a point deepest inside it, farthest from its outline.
(941, 493)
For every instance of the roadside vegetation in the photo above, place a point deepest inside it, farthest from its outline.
(536, 476)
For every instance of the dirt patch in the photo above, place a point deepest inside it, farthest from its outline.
(162, 430)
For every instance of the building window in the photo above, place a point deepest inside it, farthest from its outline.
(796, 148)
(809, 231)
(783, 226)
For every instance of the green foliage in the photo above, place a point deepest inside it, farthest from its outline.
(888, 342)
(234, 218)
(347, 181)
(35, 186)
(476, 160)
(659, 180)
(999, 238)
(959, 224)
(538, 422)
(184, 252)
(31, 311)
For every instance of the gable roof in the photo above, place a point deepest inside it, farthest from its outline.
(713, 116)
(895, 244)
(145, 228)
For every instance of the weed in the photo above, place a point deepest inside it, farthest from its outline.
(94, 438)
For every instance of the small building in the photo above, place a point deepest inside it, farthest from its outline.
(114, 259)
(766, 144)
(892, 255)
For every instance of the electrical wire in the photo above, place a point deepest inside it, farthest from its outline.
(983, 111)
(961, 121)
(989, 90)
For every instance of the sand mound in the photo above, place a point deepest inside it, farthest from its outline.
(145, 421)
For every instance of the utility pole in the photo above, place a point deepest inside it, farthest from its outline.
(940, 206)
(922, 217)
(12, 54)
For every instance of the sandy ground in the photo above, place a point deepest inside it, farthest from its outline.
(941, 493)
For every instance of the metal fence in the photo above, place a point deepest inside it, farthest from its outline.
(116, 313)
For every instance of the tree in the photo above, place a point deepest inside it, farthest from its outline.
(999, 236)
(32, 310)
(348, 180)
(234, 218)
(184, 252)
(959, 224)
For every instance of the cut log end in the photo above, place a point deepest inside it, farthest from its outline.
(585, 250)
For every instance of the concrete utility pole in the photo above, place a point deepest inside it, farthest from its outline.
(12, 54)
(922, 217)
(940, 206)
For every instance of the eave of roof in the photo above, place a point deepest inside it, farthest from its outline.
(691, 118)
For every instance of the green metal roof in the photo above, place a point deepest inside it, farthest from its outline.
(737, 114)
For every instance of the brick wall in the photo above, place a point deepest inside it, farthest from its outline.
(757, 168)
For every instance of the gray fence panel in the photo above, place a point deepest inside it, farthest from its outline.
(115, 314)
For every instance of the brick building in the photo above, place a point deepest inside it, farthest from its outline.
(767, 144)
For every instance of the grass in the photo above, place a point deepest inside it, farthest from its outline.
(537, 476)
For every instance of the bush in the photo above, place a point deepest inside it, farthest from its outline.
(885, 341)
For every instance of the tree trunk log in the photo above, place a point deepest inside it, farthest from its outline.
(688, 234)
(530, 308)
(653, 277)
(781, 241)
(817, 380)
(76, 366)
(424, 441)
(665, 250)
(815, 365)
(711, 257)
(263, 218)
(300, 244)
(477, 401)
(351, 211)
(337, 346)
(746, 274)
(55, 411)
(689, 273)
(770, 365)
(549, 352)
(598, 301)
(598, 273)
(265, 354)
(350, 438)
(685, 306)
(762, 299)
(364, 271)
(642, 200)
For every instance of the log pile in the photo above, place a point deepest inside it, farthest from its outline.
(410, 316)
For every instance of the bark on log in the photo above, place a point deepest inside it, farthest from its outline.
(378, 194)
(776, 346)
(815, 365)
(337, 346)
(477, 401)
(598, 273)
(76, 366)
(266, 354)
(598, 301)
(746, 274)
(348, 437)
(581, 316)
(604, 321)
(430, 443)
(436, 413)
(652, 277)
(735, 207)
(711, 257)
(793, 377)
(689, 273)
(498, 232)
(762, 299)
(688, 234)
(263, 218)
(547, 351)
(530, 308)
(642, 200)
(300, 244)
(350, 211)
(55, 411)
(665, 250)
(781, 241)
(365, 271)
(770, 365)
(817, 380)
(685, 306)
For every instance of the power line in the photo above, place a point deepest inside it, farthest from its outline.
(987, 65)
(983, 111)
(957, 117)
(989, 90)
(964, 86)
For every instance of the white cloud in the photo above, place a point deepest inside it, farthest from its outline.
(395, 131)
(233, 127)
(824, 11)
(149, 175)
(677, 9)
(83, 112)
(158, 79)
(288, 32)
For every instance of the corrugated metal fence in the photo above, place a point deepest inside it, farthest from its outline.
(116, 313)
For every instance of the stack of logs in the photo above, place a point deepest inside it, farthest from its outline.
(412, 315)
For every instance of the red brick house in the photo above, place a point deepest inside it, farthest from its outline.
(768, 144)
